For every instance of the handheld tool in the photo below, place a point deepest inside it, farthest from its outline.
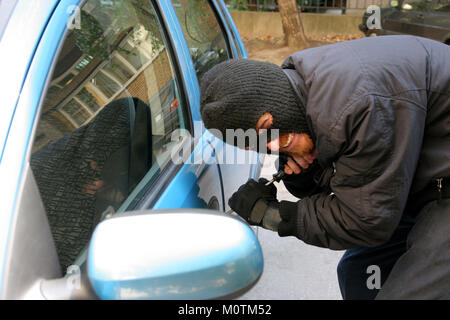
(276, 177)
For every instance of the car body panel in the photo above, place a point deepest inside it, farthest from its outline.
(21, 117)
(33, 17)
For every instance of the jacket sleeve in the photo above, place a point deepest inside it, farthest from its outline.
(379, 139)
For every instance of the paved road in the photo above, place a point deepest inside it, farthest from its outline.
(293, 269)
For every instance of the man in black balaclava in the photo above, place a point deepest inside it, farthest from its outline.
(363, 140)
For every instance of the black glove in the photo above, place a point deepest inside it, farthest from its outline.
(252, 200)
(289, 220)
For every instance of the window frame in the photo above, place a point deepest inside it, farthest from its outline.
(237, 41)
(220, 12)
(231, 53)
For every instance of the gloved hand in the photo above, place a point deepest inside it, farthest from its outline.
(254, 200)
(288, 224)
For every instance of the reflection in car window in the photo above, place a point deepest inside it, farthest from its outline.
(442, 6)
(106, 120)
(203, 34)
(425, 5)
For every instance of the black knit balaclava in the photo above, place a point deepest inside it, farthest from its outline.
(236, 93)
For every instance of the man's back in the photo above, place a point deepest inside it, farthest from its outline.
(406, 68)
(435, 156)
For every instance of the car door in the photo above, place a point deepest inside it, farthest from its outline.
(103, 124)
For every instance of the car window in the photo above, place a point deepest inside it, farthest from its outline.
(424, 5)
(444, 9)
(203, 33)
(442, 6)
(106, 122)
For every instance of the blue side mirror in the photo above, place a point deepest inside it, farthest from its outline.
(173, 254)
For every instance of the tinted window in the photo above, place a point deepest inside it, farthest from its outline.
(424, 5)
(203, 33)
(442, 5)
(444, 9)
(107, 118)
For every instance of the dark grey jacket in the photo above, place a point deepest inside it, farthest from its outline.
(380, 111)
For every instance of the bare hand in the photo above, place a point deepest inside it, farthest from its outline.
(295, 163)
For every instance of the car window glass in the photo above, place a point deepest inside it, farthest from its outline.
(203, 33)
(442, 6)
(107, 118)
(424, 5)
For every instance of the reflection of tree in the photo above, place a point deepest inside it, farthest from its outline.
(98, 36)
(203, 34)
(90, 38)
(422, 5)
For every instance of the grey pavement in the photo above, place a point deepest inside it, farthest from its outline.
(293, 270)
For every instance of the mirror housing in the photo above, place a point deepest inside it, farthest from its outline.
(173, 254)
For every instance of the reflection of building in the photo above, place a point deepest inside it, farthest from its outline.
(82, 84)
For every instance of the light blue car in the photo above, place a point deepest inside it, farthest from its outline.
(110, 185)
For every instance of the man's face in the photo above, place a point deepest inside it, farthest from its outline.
(297, 145)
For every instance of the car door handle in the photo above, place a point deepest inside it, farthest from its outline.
(420, 16)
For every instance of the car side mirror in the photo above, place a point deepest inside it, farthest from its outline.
(173, 254)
